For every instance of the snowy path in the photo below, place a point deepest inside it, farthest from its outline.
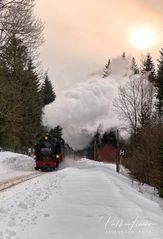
(86, 201)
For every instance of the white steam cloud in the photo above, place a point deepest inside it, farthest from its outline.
(82, 109)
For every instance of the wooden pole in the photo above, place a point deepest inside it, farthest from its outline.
(118, 158)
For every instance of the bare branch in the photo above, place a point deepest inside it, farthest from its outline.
(17, 18)
(135, 103)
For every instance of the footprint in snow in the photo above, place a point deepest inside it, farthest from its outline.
(46, 215)
(2, 211)
(12, 223)
(34, 218)
(10, 233)
(1, 235)
(22, 205)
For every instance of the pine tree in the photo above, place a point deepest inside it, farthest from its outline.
(109, 137)
(56, 133)
(21, 35)
(23, 106)
(106, 69)
(32, 106)
(149, 68)
(161, 169)
(12, 60)
(48, 93)
(134, 67)
(123, 55)
(93, 148)
(159, 85)
(3, 105)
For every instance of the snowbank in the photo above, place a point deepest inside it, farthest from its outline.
(13, 164)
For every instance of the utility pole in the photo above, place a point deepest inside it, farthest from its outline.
(118, 156)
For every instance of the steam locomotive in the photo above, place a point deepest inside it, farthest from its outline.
(48, 154)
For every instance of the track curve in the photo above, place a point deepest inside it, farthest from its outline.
(8, 183)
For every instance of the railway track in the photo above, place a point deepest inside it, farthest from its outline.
(5, 184)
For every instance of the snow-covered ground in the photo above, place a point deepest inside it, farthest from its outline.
(14, 165)
(83, 200)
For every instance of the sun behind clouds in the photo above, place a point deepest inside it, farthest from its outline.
(143, 37)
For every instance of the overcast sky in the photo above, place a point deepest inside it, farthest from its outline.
(81, 34)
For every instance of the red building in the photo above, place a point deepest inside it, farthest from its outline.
(107, 153)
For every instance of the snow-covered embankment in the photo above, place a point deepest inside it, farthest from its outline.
(87, 200)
